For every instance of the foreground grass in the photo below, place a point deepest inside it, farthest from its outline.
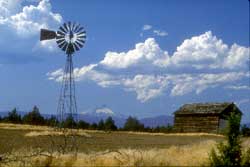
(190, 155)
(25, 145)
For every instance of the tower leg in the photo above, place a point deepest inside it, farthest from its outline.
(67, 108)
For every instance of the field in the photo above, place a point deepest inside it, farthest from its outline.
(25, 145)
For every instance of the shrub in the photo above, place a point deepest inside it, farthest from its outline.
(229, 154)
(246, 158)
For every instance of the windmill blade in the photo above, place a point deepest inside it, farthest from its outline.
(80, 40)
(76, 27)
(65, 46)
(73, 26)
(82, 37)
(76, 47)
(60, 33)
(47, 34)
(60, 36)
(80, 29)
(60, 41)
(65, 26)
(69, 24)
(62, 29)
(79, 44)
(81, 32)
(62, 44)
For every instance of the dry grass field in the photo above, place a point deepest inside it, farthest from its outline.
(25, 145)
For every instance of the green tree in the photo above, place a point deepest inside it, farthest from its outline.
(110, 124)
(229, 154)
(52, 121)
(69, 122)
(83, 125)
(34, 117)
(133, 124)
(101, 125)
(14, 117)
(93, 126)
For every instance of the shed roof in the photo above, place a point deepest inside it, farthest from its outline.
(204, 108)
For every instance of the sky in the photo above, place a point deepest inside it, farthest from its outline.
(142, 57)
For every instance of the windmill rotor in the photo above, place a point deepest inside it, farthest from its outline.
(70, 37)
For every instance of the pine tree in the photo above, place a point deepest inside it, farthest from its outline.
(110, 124)
(229, 154)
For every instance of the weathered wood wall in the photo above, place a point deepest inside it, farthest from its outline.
(196, 123)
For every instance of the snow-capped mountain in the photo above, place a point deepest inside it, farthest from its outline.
(95, 115)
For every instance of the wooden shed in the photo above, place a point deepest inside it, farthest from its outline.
(203, 117)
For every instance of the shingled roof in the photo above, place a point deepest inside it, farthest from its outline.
(205, 108)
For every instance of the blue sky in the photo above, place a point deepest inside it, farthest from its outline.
(142, 58)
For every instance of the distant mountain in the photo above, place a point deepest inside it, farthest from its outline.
(162, 120)
(102, 113)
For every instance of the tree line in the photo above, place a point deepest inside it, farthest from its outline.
(132, 123)
(35, 118)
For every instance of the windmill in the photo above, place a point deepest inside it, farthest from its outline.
(70, 37)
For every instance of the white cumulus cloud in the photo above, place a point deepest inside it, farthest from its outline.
(31, 19)
(206, 51)
(146, 69)
(148, 52)
(26, 21)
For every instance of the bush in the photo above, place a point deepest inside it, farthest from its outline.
(246, 158)
(229, 154)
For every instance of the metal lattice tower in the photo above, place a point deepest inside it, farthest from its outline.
(67, 100)
(70, 37)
